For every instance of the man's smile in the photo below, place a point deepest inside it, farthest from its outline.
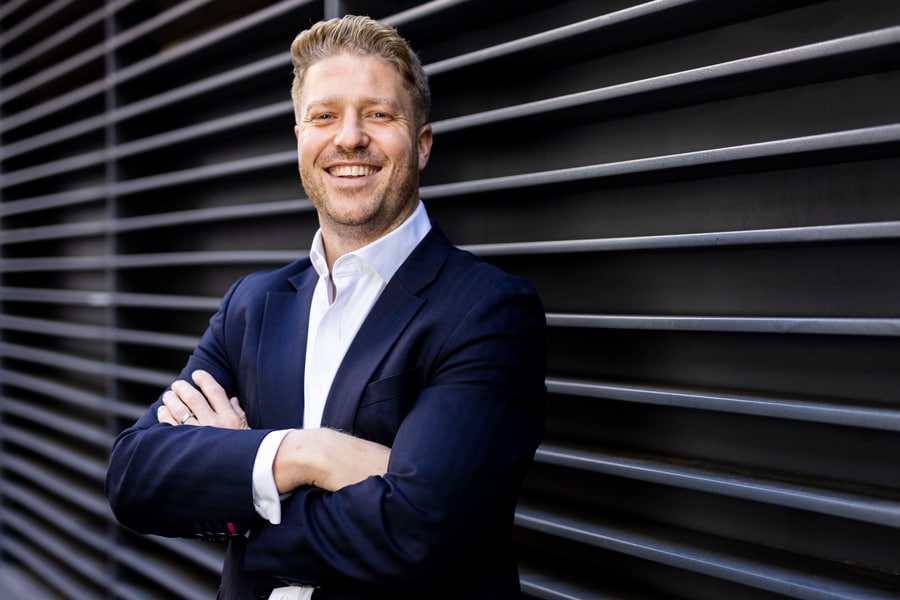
(352, 170)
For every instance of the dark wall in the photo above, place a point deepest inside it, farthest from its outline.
(706, 193)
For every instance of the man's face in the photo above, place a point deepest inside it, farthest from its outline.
(359, 150)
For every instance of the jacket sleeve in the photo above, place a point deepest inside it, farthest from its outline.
(456, 464)
(187, 481)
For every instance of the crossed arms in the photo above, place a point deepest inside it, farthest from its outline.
(323, 458)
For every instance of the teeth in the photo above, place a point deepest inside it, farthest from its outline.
(352, 171)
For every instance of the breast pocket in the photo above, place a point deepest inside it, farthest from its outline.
(384, 405)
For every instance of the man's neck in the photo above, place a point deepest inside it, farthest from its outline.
(338, 240)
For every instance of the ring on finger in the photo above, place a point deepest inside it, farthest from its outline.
(185, 417)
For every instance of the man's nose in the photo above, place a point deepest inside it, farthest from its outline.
(351, 133)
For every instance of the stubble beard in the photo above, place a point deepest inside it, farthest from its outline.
(382, 210)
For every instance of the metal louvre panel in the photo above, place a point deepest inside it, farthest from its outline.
(704, 192)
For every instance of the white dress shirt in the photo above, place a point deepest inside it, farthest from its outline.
(358, 278)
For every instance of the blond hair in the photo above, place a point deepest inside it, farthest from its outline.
(361, 36)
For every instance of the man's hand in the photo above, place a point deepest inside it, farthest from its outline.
(324, 458)
(327, 459)
(184, 405)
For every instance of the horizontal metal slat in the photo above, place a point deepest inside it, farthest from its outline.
(785, 325)
(44, 13)
(701, 554)
(537, 584)
(71, 395)
(228, 257)
(243, 73)
(57, 71)
(64, 393)
(106, 299)
(798, 57)
(817, 234)
(10, 7)
(120, 76)
(83, 365)
(855, 139)
(93, 332)
(59, 103)
(64, 551)
(36, 203)
(203, 40)
(37, 563)
(31, 471)
(164, 301)
(54, 136)
(51, 511)
(71, 31)
(156, 259)
(51, 232)
(849, 414)
(173, 178)
(155, 23)
(144, 222)
(219, 213)
(190, 176)
(151, 566)
(60, 455)
(594, 25)
(170, 138)
(418, 12)
(61, 423)
(873, 508)
(51, 168)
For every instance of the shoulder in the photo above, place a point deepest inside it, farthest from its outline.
(467, 284)
(437, 263)
(281, 279)
(474, 272)
(252, 289)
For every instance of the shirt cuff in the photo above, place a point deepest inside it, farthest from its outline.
(266, 500)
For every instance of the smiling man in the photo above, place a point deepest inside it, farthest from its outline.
(358, 423)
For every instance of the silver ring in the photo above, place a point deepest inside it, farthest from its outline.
(184, 418)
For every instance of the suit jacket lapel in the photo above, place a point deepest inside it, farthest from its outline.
(282, 352)
(388, 318)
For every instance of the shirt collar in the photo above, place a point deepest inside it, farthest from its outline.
(385, 255)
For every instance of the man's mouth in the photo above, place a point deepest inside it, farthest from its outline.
(352, 170)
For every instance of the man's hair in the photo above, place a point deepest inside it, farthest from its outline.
(361, 36)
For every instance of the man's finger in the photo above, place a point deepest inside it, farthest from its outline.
(174, 411)
(193, 401)
(215, 393)
(236, 405)
(163, 415)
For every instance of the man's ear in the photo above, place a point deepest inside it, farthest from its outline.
(423, 143)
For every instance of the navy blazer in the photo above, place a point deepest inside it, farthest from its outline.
(447, 370)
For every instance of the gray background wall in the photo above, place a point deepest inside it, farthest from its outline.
(705, 193)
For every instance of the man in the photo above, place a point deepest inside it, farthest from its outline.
(360, 421)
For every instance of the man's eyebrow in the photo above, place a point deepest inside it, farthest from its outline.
(317, 103)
